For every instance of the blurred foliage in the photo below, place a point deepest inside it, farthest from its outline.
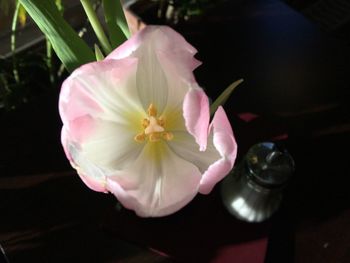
(173, 11)
(34, 81)
(6, 5)
(22, 16)
(26, 75)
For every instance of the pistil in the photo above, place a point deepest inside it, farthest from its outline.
(154, 128)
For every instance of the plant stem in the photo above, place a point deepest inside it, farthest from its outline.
(49, 61)
(96, 25)
(5, 83)
(13, 42)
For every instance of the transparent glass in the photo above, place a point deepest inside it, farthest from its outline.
(253, 191)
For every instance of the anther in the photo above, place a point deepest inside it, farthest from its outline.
(161, 122)
(168, 136)
(152, 111)
(153, 127)
(140, 137)
(145, 123)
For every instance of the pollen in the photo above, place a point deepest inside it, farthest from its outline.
(153, 127)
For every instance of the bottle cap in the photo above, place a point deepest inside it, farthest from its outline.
(268, 165)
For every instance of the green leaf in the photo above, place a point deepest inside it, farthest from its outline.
(116, 22)
(59, 5)
(22, 16)
(96, 25)
(98, 53)
(224, 96)
(69, 47)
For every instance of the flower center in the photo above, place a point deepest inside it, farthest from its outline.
(153, 127)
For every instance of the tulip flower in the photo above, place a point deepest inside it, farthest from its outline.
(136, 124)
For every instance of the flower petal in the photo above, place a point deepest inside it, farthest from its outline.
(196, 114)
(111, 145)
(108, 147)
(164, 38)
(94, 183)
(157, 184)
(93, 176)
(64, 143)
(104, 89)
(185, 146)
(101, 114)
(166, 64)
(226, 145)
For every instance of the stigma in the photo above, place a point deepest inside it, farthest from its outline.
(153, 127)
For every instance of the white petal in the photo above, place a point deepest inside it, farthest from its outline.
(185, 146)
(152, 85)
(157, 184)
(105, 89)
(111, 145)
(108, 148)
(165, 65)
(93, 176)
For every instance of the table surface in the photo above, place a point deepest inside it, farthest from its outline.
(296, 88)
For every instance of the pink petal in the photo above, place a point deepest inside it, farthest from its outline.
(71, 108)
(161, 38)
(166, 63)
(93, 184)
(65, 144)
(226, 145)
(81, 128)
(196, 114)
(79, 90)
(128, 201)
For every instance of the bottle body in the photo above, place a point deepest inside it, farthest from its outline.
(246, 200)
(253, 191)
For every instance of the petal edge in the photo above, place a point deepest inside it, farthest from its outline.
(196, 115)
(226, 145)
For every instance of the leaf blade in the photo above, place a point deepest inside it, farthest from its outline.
(69, 47)
(98, 53)
(224, 96)
(116, 22)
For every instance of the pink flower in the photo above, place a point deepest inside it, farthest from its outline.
(137, 125)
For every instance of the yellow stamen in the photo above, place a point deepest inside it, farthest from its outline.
(154, 128)
(168, 136)
(145, 123)
(140, 137)
(152, 111)
(161, 122)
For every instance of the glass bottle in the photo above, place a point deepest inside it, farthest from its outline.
(253, 191)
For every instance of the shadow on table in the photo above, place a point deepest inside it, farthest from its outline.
(59, 220)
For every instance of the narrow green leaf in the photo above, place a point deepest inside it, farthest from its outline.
(13, 42)
(59, 5)
(116, 22)
(224, 96)
(69, 47)
(98, 53)
(22, 16)
(96, 26)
